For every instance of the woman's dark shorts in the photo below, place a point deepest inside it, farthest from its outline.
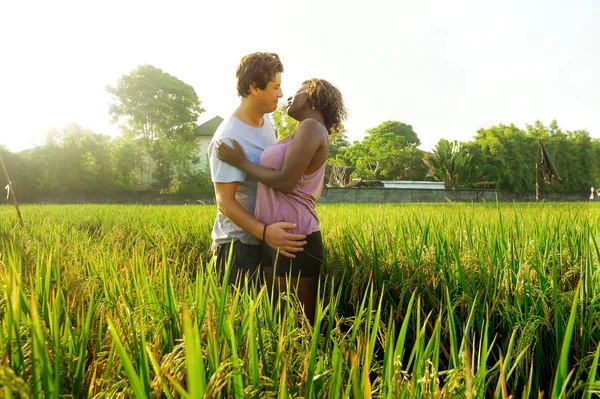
(306, 263)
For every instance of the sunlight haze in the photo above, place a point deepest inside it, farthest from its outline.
(446, 68)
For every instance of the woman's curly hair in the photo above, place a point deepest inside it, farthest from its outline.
(325, 97)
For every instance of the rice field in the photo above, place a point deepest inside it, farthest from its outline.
(417, 301)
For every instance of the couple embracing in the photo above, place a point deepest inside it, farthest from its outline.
(266, 190)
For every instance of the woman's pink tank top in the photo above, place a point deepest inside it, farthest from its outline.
(298, 206)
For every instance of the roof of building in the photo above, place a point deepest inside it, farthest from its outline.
(208, 128)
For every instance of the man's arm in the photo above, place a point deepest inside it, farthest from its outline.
(276, 235)
(307, 140)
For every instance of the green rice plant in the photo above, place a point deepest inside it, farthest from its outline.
(561, 378)
(417, 300)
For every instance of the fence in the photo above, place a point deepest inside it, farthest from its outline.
(330, 195)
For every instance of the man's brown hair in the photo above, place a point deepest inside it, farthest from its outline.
(258, 69)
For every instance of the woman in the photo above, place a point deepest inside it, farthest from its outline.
(291, 174)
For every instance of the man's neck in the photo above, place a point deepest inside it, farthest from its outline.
(249, 114)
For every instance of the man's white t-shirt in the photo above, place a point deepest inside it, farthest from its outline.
(254, 141)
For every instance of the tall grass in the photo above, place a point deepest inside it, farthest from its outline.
(438, 300)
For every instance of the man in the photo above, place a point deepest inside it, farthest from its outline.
(259, 86)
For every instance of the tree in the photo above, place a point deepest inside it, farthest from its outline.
(283, 124)
(510, 156)
(595, 154)
(452, 164)
(388, 152)
(17, 172)
(507, 155)
(75, 159)
(127, 163)
(338, 145)
(401, 130)
(572, 153)
(161, 111)
(486, 171)
(579, 164)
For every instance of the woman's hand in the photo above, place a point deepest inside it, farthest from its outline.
(233, 156)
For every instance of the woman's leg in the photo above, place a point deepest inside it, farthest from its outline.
(307, 292)
(306, 288)
(308, 284)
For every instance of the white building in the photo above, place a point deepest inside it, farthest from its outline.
(426, 185)
(204, 134)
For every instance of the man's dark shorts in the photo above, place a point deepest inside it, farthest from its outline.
(246, 259)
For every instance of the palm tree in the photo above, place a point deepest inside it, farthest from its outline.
(451, 163)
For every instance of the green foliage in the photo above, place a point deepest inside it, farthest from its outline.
(512, 153)
(338, 145)
(73, 159)
(404, 132)
(573, 155)
(507, 156)
(452, 164)
(77, 161)
(20, 174)
(128, 163)
(158, 113)
(389, 152)
(501, 156)
(283, 124)
(161, 111)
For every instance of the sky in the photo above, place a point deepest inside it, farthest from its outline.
(446, 68)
